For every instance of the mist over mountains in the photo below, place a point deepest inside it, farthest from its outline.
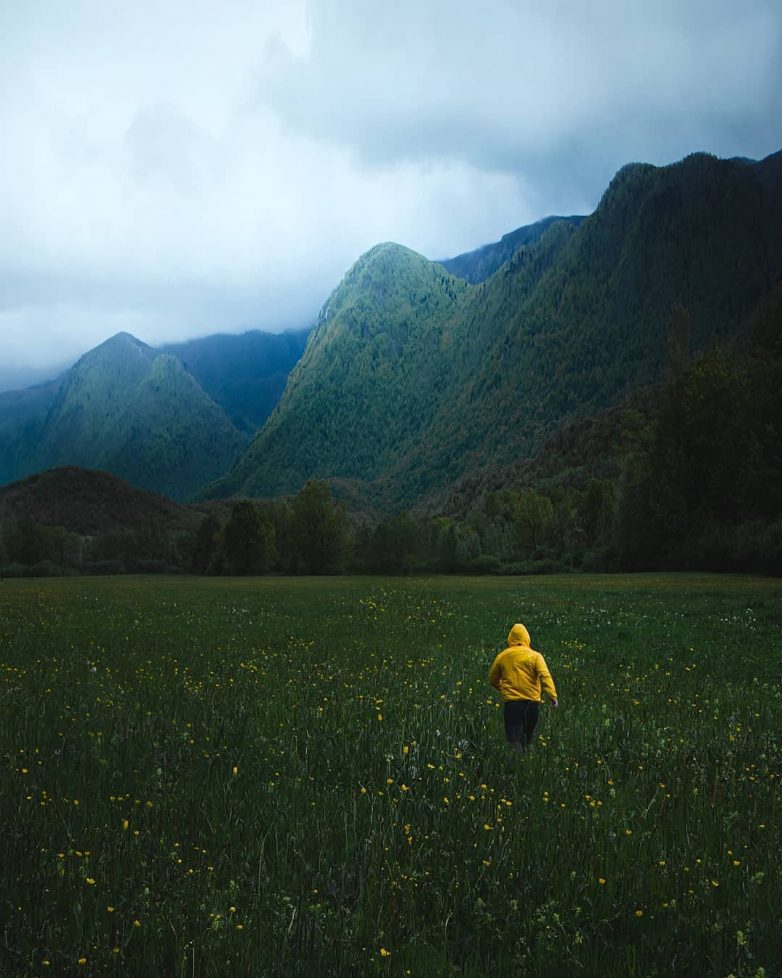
(421, 377)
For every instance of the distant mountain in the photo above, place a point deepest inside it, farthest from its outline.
(245, 374)
(476, 266)
(124, 408)
(414, 379)
(19, 378)
(168, 420)
(22, 418)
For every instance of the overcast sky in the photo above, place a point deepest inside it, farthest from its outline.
(180, 168)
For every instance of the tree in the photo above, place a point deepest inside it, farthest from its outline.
(279, 514)
(678, 339)
(248, 541)
(394, 545)
(533, 516)
(596, 511)
(24, 542)
(319, 529)
(207, 544)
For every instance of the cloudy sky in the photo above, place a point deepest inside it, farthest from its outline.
(180, 167)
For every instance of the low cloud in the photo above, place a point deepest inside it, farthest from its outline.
(176, 169)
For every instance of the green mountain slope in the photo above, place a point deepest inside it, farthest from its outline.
(134, 412)
(703, 237)
(244, 374)
(414, 379)
(23, 414)
(476, 266)
(371, 376)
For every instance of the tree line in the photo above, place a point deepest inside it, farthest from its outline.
(698, 486)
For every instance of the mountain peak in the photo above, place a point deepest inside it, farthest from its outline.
(124, 339)
(389, 249)
(120, 350)
(384, 257)
(388, 273)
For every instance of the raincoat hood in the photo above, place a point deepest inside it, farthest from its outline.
(518, 636)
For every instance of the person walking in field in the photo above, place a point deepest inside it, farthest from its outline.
(522, 676)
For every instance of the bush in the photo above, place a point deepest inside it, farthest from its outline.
(47, 568)
(524, 567)
(103, 567)
(15, 570)
(598, 561)
(485, 564)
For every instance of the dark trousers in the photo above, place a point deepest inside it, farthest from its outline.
(521, 718)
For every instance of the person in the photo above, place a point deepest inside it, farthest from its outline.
(522, 676)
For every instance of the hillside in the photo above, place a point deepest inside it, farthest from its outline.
(414, 379)
(91, 503)
(245, 374)
(72, 521)
(127, 409)
(22, 418)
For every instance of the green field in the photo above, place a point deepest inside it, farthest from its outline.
(309, 777)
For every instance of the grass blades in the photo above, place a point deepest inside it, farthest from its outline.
(308, 777)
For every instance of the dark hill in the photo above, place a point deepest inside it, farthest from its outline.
(91, 503)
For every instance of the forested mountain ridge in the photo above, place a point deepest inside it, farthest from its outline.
(167, 419)
(372, 370)
(478, 265)
(22, 417)
(130, 410)
(414, 379)
(91, 503)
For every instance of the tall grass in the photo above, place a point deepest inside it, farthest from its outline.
(300, 777)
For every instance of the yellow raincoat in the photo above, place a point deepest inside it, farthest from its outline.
(519, 672)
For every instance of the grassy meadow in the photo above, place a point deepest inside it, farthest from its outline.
(309, 777)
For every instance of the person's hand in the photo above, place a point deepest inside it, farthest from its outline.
(554, 704)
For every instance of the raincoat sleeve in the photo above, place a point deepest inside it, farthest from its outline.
(495, 673)
(545, 678)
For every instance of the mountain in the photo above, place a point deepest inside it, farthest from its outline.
(127, 409)
(476, 266)
(22, 418)
(414, 379)
(169, 419)
(245, 374)
(370, 379)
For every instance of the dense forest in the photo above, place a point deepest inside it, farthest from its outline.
(687, 477)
